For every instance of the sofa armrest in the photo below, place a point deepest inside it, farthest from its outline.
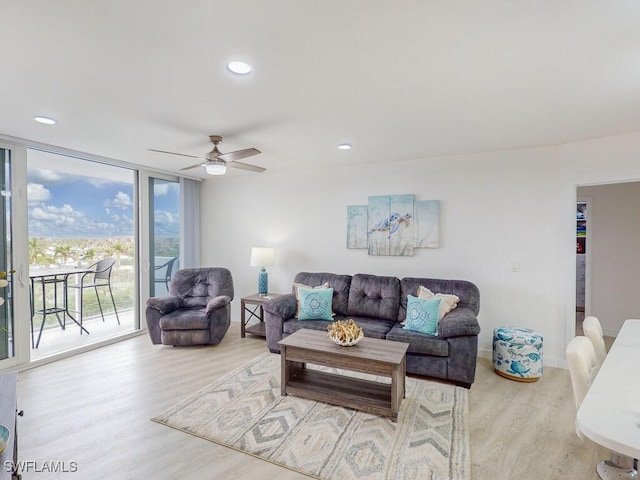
(459, 322)
(277, 311)
(165, 304)
(284, 306)
(217, 302)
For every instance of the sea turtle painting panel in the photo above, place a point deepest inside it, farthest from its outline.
(356, 226)
(426, 228)
(390, 225)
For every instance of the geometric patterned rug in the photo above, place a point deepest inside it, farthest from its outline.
(245, 411)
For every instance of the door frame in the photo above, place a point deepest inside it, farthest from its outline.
(144, 237)
(20, 257)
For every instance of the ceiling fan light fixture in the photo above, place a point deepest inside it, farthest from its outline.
(45, 120)
(216, 168)
(239, 68)
(344, 146)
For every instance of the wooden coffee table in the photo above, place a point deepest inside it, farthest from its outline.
(370, 355)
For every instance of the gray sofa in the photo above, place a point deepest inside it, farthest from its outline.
(378, 304)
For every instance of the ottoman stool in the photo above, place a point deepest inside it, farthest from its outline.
(517, 353)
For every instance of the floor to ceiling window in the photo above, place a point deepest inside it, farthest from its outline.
(80, 220)
(63, 216)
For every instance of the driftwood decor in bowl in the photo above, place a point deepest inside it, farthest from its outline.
(345, 333)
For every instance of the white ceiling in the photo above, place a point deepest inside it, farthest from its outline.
(399, 79)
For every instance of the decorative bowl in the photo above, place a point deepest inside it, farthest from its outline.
(4, 437)
(349, 342)
(345, 333)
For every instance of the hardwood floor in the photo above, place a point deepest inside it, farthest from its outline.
(94, 409)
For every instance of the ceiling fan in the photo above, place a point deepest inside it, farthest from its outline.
(216, 162)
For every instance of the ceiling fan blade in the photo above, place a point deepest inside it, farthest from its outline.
(245, 166)
(238, 154)
(173, 153)
(193, 166)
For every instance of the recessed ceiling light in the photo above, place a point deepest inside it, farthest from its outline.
(45, 120)
(240, 68)
(344, 146)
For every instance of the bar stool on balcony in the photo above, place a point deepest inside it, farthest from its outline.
(100, 276)
(163, 272)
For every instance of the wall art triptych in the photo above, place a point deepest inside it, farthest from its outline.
(393, 225)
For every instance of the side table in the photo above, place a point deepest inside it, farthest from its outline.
(252, 305)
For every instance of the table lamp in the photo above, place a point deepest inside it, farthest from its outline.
(262, 257)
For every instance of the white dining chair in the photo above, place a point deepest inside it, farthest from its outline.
(583, 366)
(593, 331)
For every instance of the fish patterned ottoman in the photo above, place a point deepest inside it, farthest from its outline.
(517, 353)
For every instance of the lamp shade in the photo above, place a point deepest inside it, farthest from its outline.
(262, 257)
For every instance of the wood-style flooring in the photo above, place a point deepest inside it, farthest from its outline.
(94, 409)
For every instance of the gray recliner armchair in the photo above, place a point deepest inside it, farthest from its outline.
(197, 310)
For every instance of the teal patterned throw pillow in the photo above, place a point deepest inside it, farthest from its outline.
(315, 304)
(422, 315)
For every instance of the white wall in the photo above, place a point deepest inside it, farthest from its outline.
(613, 241)
(496, 208)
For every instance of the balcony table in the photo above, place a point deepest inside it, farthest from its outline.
(56, 277)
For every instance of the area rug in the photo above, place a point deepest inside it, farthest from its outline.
(245, 411)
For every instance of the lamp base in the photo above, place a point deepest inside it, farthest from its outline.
(263, 282)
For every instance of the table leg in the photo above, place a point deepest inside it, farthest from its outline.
(403, 376)
(242, 318)
(285, 370)
(396, 391)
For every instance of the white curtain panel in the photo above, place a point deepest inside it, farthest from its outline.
(189, 223)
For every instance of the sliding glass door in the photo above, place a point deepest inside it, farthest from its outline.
(80, 219)
(7, 347)
(14, 292)
(62, 213)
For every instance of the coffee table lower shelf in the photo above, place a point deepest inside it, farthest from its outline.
(359, 394)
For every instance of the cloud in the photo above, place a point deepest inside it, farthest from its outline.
(37, 193)
(122, 200)
(52, 217)
(161, 189)
(49, 177)
(66, 209)
(163, 217)
(99, 182)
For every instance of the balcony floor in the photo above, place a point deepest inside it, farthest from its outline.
(55, 340)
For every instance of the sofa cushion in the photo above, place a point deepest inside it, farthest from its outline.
(374, 296)
(188, 319)
(293, 325)
(372, 327)
(314, 303)
(195, 286)
(419, 342)
(339, 283)
(422, 315)
(467, 292)
(296, 292)
(447, 301)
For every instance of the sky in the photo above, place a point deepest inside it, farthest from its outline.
(66, 204)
